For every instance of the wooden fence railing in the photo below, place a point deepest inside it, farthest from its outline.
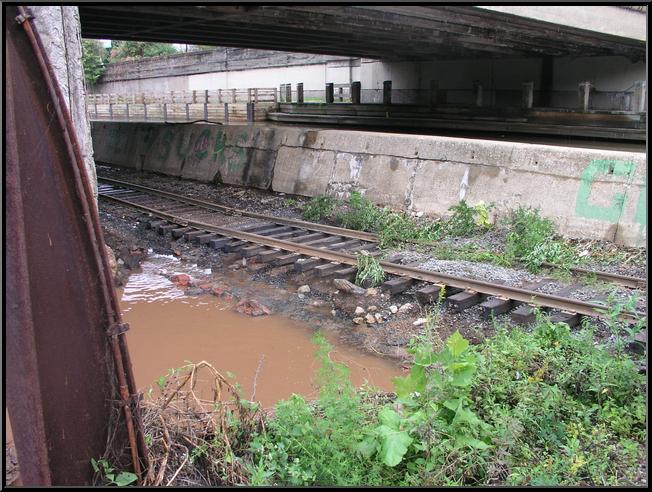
(223, 105)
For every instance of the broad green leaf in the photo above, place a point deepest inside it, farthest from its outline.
(457, 344)
(464, 377)
(415, 381)
(390, 418)
(367, 447)
(94, 464)
(125, 478)
(453, 404)
(394, 445)
(472, 442)
(423, 355)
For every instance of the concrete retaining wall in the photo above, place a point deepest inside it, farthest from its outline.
(588, 193)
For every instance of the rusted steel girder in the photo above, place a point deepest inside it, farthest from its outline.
(66, 356)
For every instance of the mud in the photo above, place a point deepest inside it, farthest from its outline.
(271, 357)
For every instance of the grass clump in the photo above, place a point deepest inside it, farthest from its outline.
(466, 220)
(370, 273)
(531, 239)
(319, 207)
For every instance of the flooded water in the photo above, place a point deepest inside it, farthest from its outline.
(169, 328)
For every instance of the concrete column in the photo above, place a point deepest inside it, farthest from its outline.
(640, 96)
(355, 92)
(288, 93)
(300, 92)
(330, 92)
(477, 92)
(528, 94)
(387, 92)
(585, 95)
(281, 91)
(434, 92)
(60, 31)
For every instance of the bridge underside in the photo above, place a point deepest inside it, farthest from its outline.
(381, 32)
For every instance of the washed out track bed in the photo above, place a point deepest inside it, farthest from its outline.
(328, 253)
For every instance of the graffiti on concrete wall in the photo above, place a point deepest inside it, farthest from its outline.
(613, 211)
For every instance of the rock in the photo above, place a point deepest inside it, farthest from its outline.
(221, 290)
(121, 261)
(419, 214)
(113, 265)
(333, 312)
(358, 321)
(301, 296)
(420, 321)
(194, 291)
(379, 317)
(371, 291)
(393, 309)
(251, 307)
(371, 309)
(205, 286)
(370, 318)
(348, 287)
(359, 310)
(407, 307)
(182, 280)
(318, 303)
(304, 289)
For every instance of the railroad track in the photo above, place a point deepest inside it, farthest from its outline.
(330, 252)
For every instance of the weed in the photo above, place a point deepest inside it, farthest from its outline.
(466, 220)
(369, 270)
(362, 214)
(106, 472)
(289, 203)
(613, 308)
(319, 207)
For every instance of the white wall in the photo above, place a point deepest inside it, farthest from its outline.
(312, 76)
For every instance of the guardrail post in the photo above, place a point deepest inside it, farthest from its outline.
(355, 92)
(206, 104)
(585, 95)
(281, 91)
(226, 112)
(250, 112)
(95, 108)
(165, 111)
(276, 99)
(640, 95)
(387, 92)
(145, 110)
(330, 95)
(300, 92)
(233, 95)
(528, 94)
(255, 95)
(111, 110)
(127, 110)
(288, 93)
(477, 91)
(219, 95)
(187, 112)
(340, 93)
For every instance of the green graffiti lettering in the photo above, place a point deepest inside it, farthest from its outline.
(166, 142)
(640, 216)
(595, 168)
(200, 150)
(218, 148)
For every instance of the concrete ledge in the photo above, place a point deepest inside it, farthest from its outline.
(588, 193)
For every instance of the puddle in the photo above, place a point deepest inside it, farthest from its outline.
(169, 328)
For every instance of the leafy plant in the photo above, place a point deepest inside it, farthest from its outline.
(370, 272)
(94, 60)
(613, 310)
(318, 207)
(289, 203)
(129, 50)
(467, 220)
(362, 214)
(106, 472)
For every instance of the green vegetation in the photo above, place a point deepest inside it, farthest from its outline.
(369, 270)
(131, 50)
(110, 476)
(94, 60)
(319, 207)
(289, 203)
(544, 407)
(613, 309)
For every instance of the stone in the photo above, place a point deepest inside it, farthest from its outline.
(405, 308)
(419, 214)
(333, 312)
(251, 307)
(370, 318)
(318, 303)
(304, 289)
(379, 317)
(220, 290)
(194, 291)
(359, 310)
(420, 321)
(371, 309)
(182, 279)
(358, 320)
(301, 296)
(348, 287)
(393, 309)
(371, 291)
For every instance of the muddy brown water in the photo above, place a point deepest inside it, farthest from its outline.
(169, 328)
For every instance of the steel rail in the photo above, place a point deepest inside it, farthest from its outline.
(624, 280)
(364, 236)
(513, 293)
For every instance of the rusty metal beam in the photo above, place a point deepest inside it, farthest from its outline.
(65, 368)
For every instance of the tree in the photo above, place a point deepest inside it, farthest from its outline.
(94, 58)
(131, 50)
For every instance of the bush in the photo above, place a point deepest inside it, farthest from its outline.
(319, 207)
